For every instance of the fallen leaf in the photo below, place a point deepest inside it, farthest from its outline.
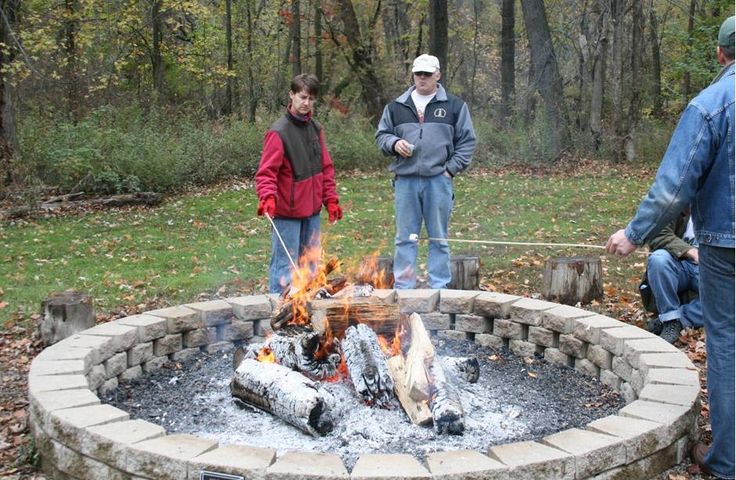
(532, 374)
(3, 305)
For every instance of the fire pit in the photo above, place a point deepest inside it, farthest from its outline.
(79, 437)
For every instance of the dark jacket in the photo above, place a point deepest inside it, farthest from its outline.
(296, 168)
(444, 142)
(669, 239)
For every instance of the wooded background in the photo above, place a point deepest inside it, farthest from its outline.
(568, 77)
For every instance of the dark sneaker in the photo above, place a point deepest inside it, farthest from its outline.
(671, 330)
(654, 325)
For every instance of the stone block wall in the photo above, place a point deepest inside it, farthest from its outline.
(79, 437)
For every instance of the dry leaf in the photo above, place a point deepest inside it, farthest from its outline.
(532, 374)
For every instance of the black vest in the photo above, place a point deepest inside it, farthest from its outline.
(301, 145)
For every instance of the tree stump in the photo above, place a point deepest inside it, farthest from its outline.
(465, 270)
(65, 314)
(570, 280)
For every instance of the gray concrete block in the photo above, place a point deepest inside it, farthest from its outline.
(560, 318)
(454, 335)
(641, 437)
(213, 312)
(67, 425)
(600, 356)
(612, 339)
(240, 460)
(529, 311)
(457, 301)
(52, 383)
(140, 353)
(648, 361)
(123, 336)
(133, 373)
(185, 355)
(610, 379)
(389, 467)
(594, 452)
(571, 345)
(103, 345)
(494, 304)
(96, 377)
(686, 395)
(166, 345)
(197, 338)
(672, 376)
(491, 341)
(166, 458)
(307, 465)
(588, 329)
(633, 349)
(108, 386)
(252, 307)
(587, 367)
(110, 442)
(473, 323)
(116, 365)
(621, 368)
(155, 364)
(179, 318)
(437, 321)
(149, 327)
(522, 348)
(465, 464)
(507, 329)
(542, 336)
(418, 300)
(556, 357)
(237, 331)
(532, 461)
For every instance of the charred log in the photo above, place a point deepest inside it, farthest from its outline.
(367, 366)
(300, 348)
(383, 318)
(463, 368)
(284, 393)
(447, 411)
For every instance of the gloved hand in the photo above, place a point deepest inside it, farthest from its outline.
(334, 210)
(267, 206)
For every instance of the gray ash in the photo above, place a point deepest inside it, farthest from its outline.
(514, 400)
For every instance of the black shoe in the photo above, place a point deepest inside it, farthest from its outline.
(671, 330)
(654, 325)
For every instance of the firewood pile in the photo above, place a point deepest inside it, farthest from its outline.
(329, 330)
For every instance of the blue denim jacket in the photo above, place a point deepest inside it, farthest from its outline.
(697, 170)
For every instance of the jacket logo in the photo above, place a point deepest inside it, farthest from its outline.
(440, 112)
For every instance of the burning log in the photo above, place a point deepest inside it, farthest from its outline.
(464, 368)
(418, 411)
(284, 393)
(420, 354)
(367, 366)
(383, 318)
(300, 348)
(447, 411)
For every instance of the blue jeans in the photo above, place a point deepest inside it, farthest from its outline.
(717, 295)
(669, 277)
(429, 200)
(299, 234)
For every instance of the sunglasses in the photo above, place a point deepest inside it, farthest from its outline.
(423, 74)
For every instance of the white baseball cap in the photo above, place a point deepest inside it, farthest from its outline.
(425, 63)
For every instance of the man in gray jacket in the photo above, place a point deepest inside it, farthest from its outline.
(430, 135)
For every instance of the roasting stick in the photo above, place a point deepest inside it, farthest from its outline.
(415, 238)
(293, 265)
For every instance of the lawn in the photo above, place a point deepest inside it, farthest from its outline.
(210, 242)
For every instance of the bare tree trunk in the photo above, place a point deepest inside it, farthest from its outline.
(637, 44)
(157, 63)
(656, 63)
(361, 60)
(600, 57)
(547, 77)
(476, 37)
(582, 114)
(228, 107)
(617, 17)
(8, 140)
(438, 33)
(295, 39)
(508, 52)
(71, 23)
(318, 66)
(686, 81)
(252, 96)
(420, 37)
(395, 18)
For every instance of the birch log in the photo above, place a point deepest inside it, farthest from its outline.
(447, 411)
(367, 366)
(305, 350)
(284, 393)
(463, 368)
(418, 357)
(418, 411)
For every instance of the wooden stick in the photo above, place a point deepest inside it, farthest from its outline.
(418, 411)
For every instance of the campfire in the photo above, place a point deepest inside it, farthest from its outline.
(327, 329)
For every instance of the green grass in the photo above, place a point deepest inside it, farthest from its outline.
(195, 245)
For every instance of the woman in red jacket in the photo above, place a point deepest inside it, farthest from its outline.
(294, 179)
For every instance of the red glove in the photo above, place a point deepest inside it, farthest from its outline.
(267, 206)
(335, 211)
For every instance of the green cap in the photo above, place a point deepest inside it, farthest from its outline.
(725, 33)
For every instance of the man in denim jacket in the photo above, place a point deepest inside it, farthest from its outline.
(698, 170)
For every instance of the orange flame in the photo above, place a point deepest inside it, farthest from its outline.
(266, 356)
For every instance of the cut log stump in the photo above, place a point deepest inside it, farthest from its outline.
(570, 280)
(65, 314)
(284, 393)
(465, 271)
